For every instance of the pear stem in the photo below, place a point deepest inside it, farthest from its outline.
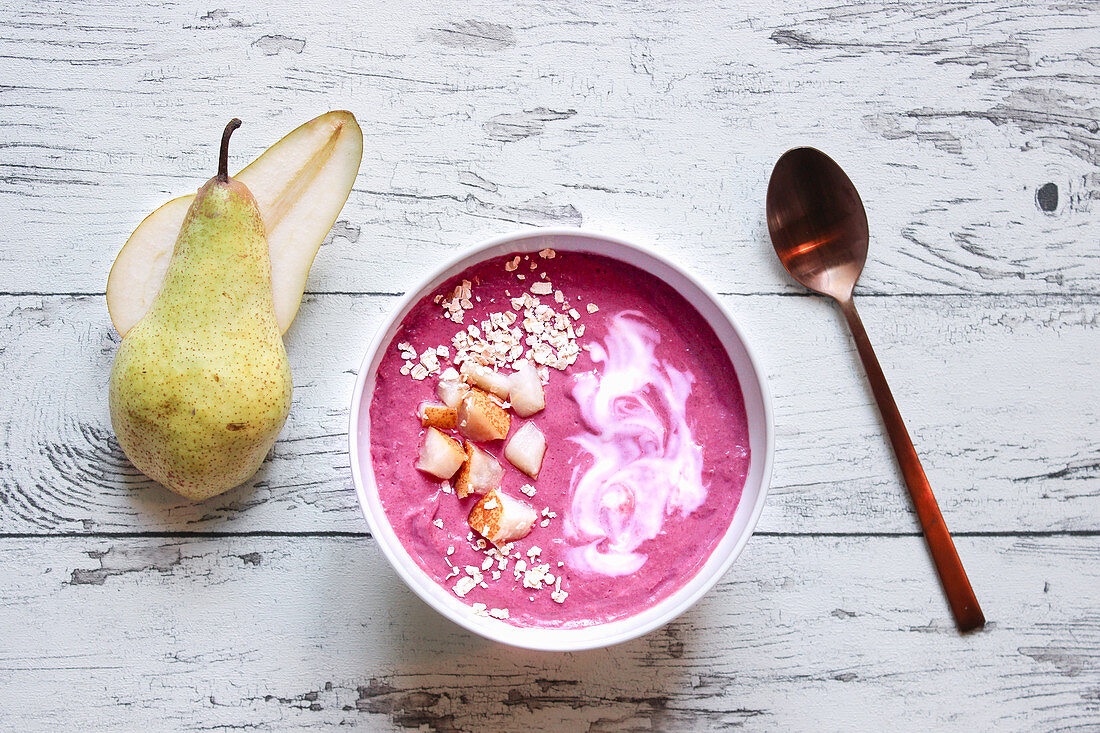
(223, 159)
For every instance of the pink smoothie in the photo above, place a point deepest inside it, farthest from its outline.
(647, 446)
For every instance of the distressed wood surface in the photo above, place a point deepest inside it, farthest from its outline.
(972, 130)
(661, 122)
(990, 386)
(823, 634)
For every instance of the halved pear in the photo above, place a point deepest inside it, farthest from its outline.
(300, 184)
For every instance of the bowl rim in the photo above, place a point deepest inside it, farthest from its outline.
(542, 638)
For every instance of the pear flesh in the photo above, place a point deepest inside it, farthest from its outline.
(201, 385)
(300, 185)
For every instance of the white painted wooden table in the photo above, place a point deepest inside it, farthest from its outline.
(271, 608)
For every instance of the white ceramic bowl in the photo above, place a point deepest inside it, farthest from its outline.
(757, 407)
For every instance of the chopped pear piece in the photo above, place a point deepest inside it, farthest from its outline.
(434, 415)
(501, 519)
(451, 392)
(525, 390)
(486, 378)
(526, 449)
(440, 455)
(300, 184)
(480, 418)
(479, 475)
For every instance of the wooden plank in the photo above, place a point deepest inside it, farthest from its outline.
(660, 123)
(998, 394)
(297, 633)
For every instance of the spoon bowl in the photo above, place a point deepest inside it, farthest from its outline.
(819, 230)
(817, 222)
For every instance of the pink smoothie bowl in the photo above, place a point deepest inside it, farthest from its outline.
(758, 409)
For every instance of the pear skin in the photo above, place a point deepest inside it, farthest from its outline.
(201, 385)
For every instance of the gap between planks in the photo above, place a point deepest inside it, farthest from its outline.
(321, 534)
(755, 294)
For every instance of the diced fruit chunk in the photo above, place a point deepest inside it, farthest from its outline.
(501, 519)
(440, 455)
(479, 475)
(440, 416)
(525, 390)
(486, 378)
(526, 449)
(482, 419)
(451, 391)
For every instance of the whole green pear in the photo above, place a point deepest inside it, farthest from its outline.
(201, 386)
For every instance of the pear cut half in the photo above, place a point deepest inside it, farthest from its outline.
(300, 184)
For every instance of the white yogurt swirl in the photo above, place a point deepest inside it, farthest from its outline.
(645, 464)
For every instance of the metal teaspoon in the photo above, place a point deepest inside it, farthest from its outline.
(819, 230)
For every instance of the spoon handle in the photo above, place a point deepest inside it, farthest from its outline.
(964, 605)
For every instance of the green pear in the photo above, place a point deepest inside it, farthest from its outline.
(200, 386)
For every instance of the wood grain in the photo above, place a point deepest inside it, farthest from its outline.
(973, 133)
(990, 388)
(829, 634)
(662, 123)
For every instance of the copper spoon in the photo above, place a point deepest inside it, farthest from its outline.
(819, 230)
